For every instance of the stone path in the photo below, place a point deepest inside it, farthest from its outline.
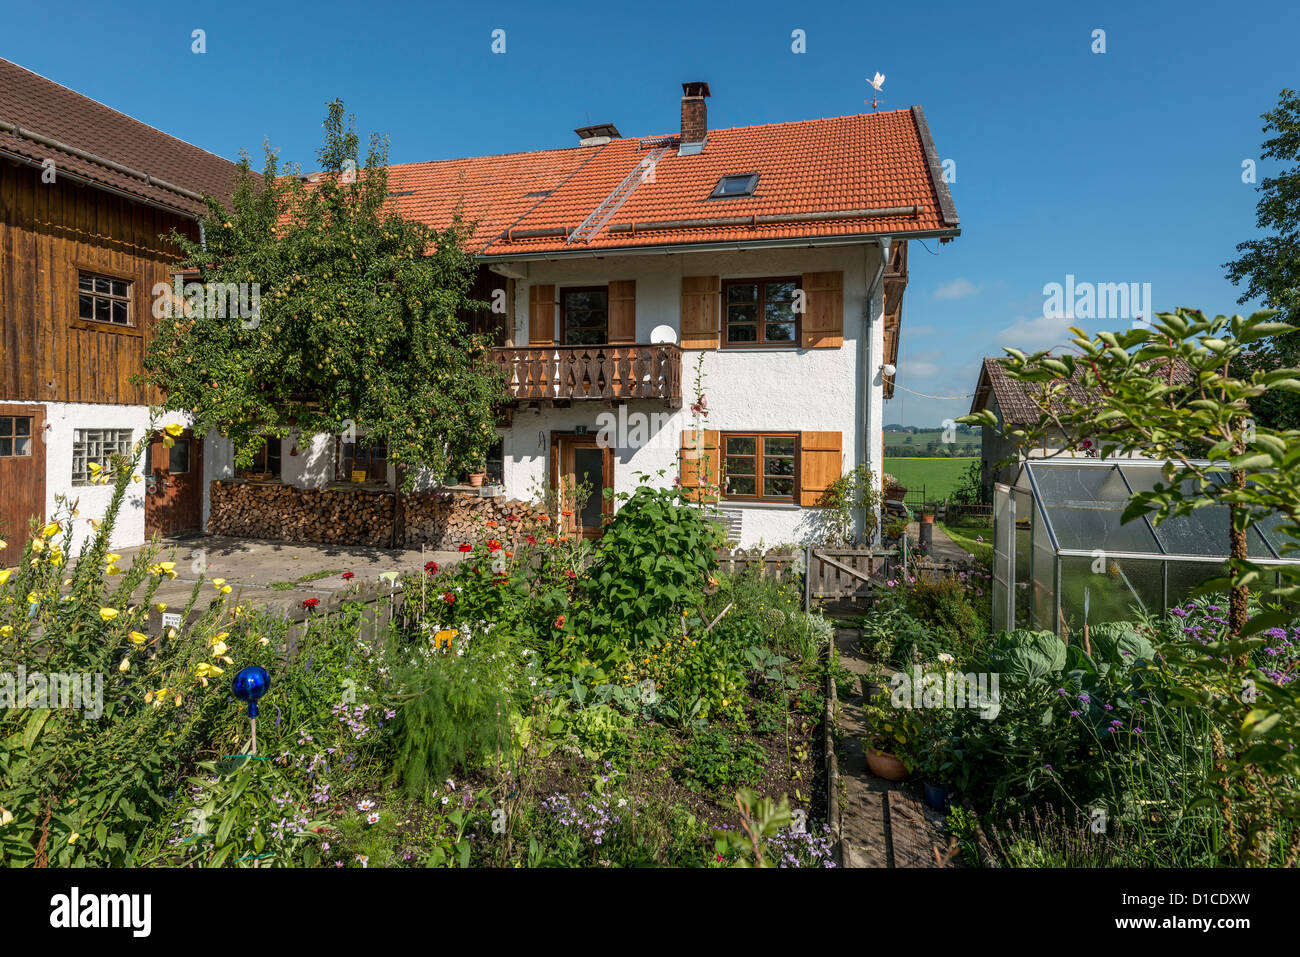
(884, 823)
(276, 574)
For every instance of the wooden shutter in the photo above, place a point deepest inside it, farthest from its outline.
(698, 458)
(820, 460)
(541, 315)
(622, 310)
(823, 317)
(701, 301)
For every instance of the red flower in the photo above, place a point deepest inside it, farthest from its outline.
(467, 547)
(512, 518)
(559, 622)
(348, 576)
(431, 568)
(491, 523)
(531, 539)
(570, 573)
(310, 602)
(493, 545)
(449, 597)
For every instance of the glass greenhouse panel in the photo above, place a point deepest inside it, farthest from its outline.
(1203, 532)
(1084, 504)
(1125, 588)
(1185, 576)
(1042, 583)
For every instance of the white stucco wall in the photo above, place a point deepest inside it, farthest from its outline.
(62, 421)
(747, 389)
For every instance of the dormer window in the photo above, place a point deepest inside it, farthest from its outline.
(741, 184)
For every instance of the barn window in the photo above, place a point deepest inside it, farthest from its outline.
(266, 460)
(104, 299)
(363, 458)
(97, 446)
(15, 436)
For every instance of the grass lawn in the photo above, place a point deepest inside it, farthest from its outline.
(941, 477)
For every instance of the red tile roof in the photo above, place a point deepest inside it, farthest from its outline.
(874, 161)
(155, 162)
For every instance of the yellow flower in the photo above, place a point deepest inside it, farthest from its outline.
(38, 544)
(207, 670)
(5, 817)
(125, 666)
(73, 839)
(161, 606)
(225, 589)
(136, 478)
(166, 566)
(174, 429)
(171, 633)
(138, 638)
(178, 701)
(50, 530)
(4, 575)
(112, 557)
(112, 570)
(3, 544)
(6, 631)
(218, 582)
(108, 614)
(219, 649)
(93, 466)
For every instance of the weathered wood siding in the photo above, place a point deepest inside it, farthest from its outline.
(47, 233)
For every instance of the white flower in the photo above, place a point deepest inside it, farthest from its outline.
(945, 657)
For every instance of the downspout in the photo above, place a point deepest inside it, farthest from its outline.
(868, 367)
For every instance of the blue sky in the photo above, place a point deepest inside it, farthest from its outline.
(1122, 166)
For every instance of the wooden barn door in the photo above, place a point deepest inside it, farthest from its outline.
(22, 475)
(174, 495)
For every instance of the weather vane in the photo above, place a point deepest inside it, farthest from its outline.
(876, 82)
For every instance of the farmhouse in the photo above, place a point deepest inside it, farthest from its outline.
(716, 306)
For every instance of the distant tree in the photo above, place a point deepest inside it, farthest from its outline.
(1270, 265)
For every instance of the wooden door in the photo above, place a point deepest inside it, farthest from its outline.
(174, 493)
(576, 461)
(22, 475)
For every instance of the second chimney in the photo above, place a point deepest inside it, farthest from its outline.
(695, 118)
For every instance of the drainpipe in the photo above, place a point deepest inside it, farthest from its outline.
(868, 361)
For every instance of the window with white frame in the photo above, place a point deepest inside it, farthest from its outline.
(96, 446)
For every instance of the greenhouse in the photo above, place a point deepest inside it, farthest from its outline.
(1062, 558)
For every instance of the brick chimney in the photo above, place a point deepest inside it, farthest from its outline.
(695, 118)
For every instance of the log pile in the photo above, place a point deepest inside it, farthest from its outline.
(443, 520)
(341, 516)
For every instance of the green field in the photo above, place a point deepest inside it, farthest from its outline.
(940, 477)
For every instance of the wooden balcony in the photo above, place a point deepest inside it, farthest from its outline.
(560, 374)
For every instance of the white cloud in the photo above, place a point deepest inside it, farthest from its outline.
(959, 288)
(1036, 332)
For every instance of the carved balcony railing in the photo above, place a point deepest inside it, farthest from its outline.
(612, 372)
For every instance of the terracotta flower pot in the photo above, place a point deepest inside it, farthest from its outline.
(476, 478)
(885, 765)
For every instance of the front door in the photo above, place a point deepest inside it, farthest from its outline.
(582, 471)
(22, 474)
(174, 494)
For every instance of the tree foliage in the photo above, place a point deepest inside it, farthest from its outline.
(357, 319)
(1270, 265)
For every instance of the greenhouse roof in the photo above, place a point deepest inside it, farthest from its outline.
(1081, 501)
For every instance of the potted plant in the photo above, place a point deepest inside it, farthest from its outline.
(894, 530)
(890, 735)
(479, 475)
(895, 491)
(927, 513)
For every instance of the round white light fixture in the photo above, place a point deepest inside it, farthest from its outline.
(661, 335)
(888, 368)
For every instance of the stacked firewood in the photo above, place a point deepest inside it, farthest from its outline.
(445, 520)
(287, 513)
(341, 516)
